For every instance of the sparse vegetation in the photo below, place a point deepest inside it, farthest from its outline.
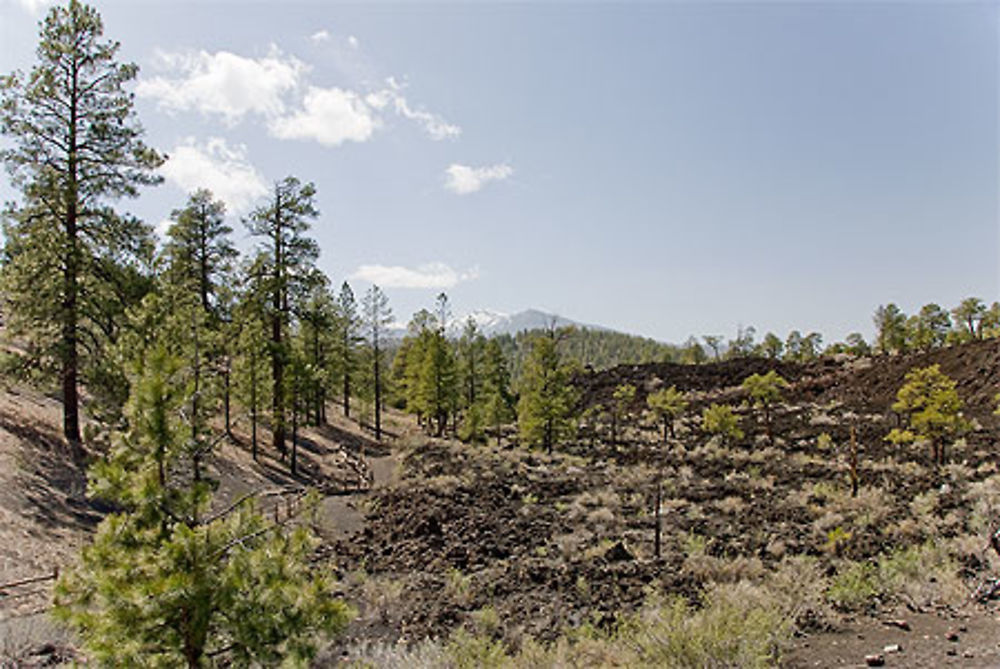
(534, 517)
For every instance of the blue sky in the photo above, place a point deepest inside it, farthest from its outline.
(661, 168)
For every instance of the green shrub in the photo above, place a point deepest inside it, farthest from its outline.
(854, 587)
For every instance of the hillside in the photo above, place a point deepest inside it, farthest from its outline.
(46, 516)
(517, 547)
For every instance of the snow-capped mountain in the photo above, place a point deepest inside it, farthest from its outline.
(493, 323)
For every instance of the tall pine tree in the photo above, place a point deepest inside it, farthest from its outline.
(377, 315)
(287, 258)
(75, 146)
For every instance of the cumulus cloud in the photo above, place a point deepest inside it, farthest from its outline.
(224, 83)
(430, 275)
(320, 36)
(276, 89)
(331, 116)
(465, 179)
(224, 170)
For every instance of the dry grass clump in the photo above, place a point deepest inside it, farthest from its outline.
(740, 625)
(732, 505)
(380, 596)
(920, 576)
(983, 498)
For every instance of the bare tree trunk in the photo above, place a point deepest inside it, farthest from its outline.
(378, 393)
(854, 462)
(70, 353)
(295, 436)
(659, 526)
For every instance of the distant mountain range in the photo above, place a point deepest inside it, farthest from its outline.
(493, 323)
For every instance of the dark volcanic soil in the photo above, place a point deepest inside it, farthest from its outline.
(547, 543)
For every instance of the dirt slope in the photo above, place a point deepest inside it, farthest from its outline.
(45, 516)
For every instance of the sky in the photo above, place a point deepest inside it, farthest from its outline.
(661, 168)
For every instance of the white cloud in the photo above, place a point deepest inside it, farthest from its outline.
(434, 125)
(353, 42)
(224, 83)
(331, 116)
(320, 36)
(275, 88)
(430, 275)
(222, 169)
(464, 179)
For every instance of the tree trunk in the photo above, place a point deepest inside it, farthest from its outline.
(70, 354)
(278, 377)
(659, 529)
(295, 437)
(347, 379)
(378, 394)
(253, 402)
(226, 378)
(854, 462)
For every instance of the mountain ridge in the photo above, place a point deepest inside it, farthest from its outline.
(493, 323)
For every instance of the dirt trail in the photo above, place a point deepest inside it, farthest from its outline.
(339, 515)
(966, 639)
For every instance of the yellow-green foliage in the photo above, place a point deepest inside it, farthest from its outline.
(764, 389)
(931, 403)
(667, 404)
(720, 419)
(854, 587)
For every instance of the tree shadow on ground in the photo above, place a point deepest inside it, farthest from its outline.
(355, 443)
(53, 484)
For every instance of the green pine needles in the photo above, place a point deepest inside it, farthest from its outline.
(167, 583)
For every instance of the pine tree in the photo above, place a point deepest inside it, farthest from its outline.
(287, 257)
(721, 420)
(75, 145)
(200, 257)
(348, 325)
(437, 384)
(928, 328)
(409, 359)
(470, 354)
(668, 404)
(969, 314)
(376, 315)
(890, 326)
(318, 317)
(771, 347)
(545, 408)
(621, 402)
(929, 399)
(166, 584)
(497, 400)
(251, 359)
(764, 390)
(199, 251)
